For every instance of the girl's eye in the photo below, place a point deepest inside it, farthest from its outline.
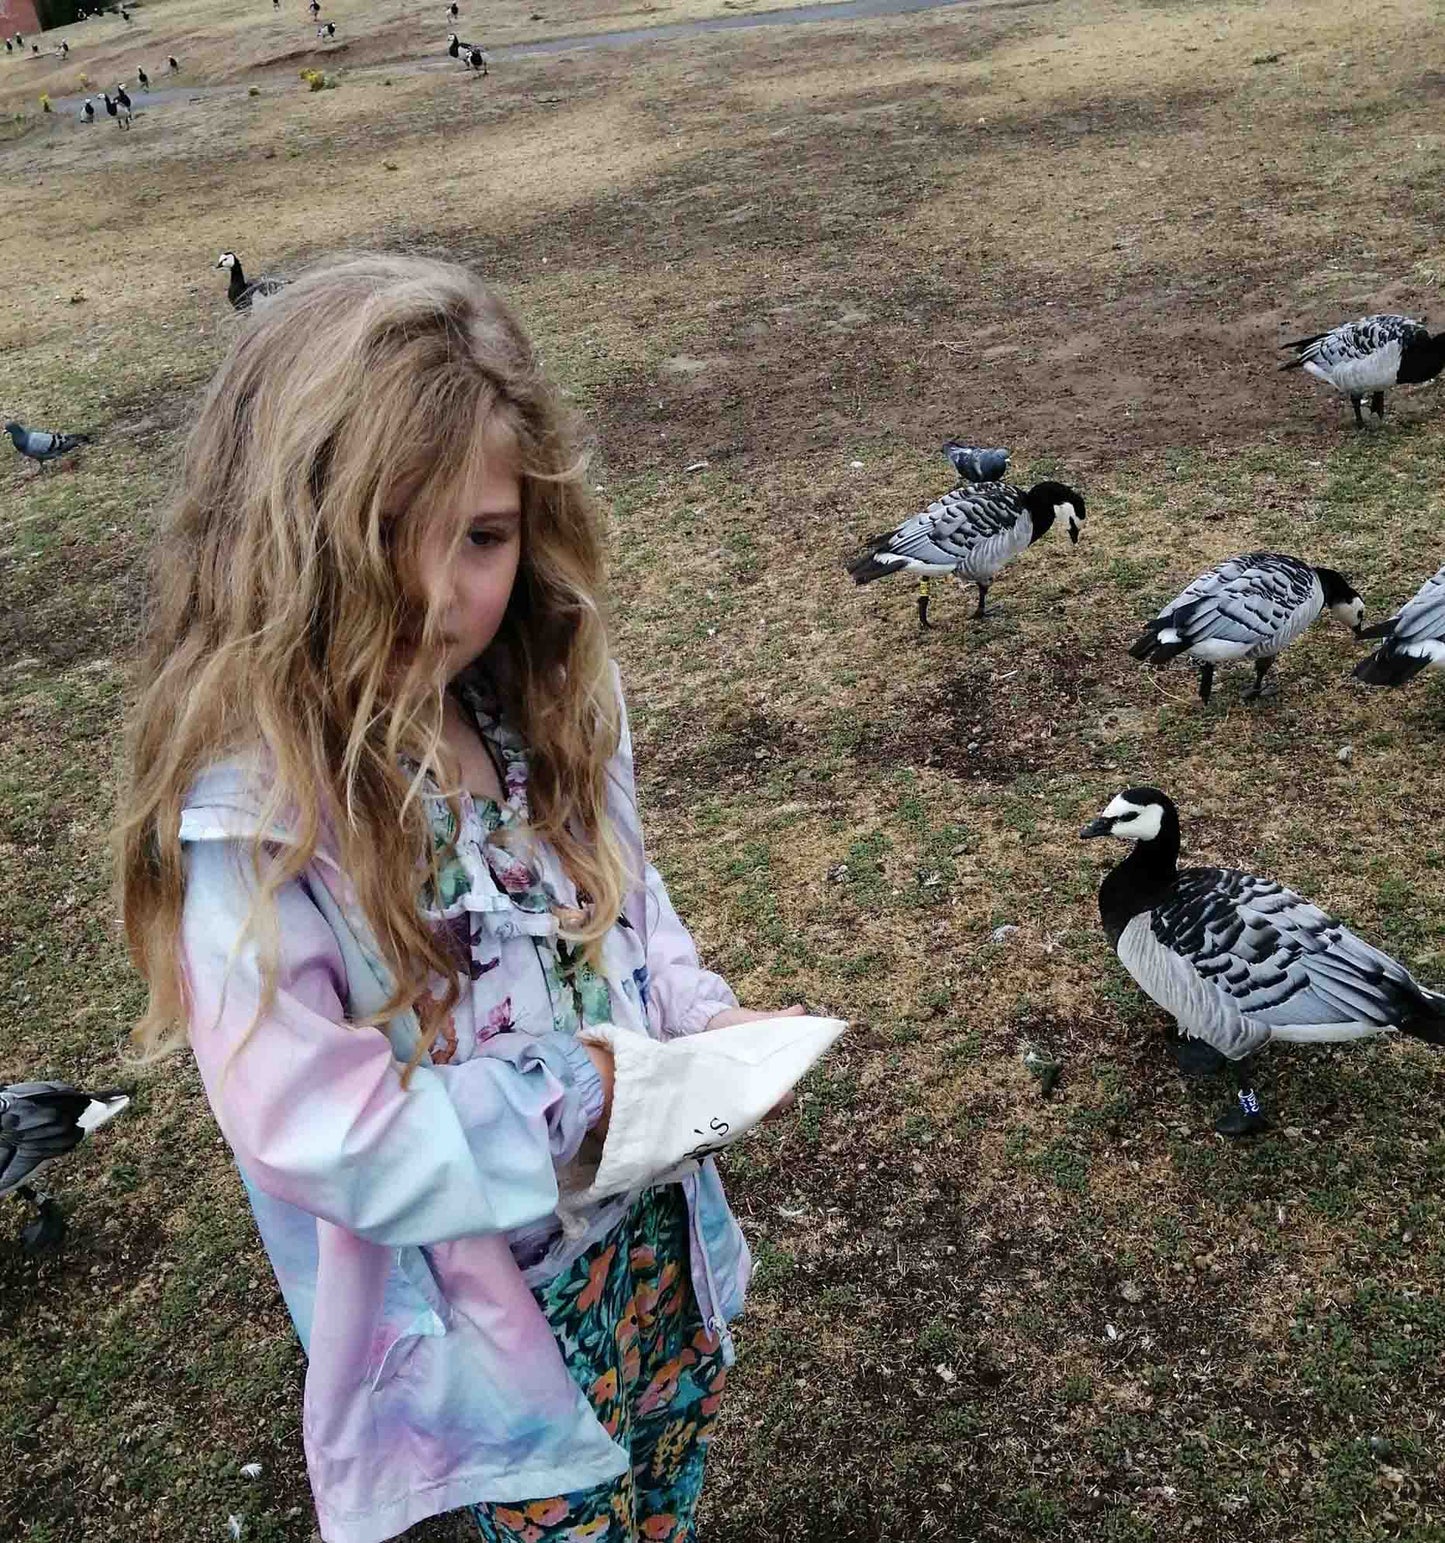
(484, 538)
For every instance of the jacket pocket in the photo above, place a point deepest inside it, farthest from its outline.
(413, 1309)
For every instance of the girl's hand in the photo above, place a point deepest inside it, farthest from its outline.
(601, 1058)
(749, 1015)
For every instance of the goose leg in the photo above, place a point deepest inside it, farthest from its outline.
(1193, 1057)
(48, 1229)
(982, 597)
(1261, 669)
(1359, 416)
(1206, 681)
(1377, 404)
(923, 589)
(1245, 1117)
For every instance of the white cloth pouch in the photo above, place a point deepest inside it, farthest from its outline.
(677, 1101)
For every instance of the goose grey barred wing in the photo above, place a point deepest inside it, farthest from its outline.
(984, 521)
(1357, 341)
(1414, 638)
(1240, 960)
(37, 1123)
(1258, 599)
(1421, 619)
(1257, 603)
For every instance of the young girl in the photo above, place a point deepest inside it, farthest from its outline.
(381, 862)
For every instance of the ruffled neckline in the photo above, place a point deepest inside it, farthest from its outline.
(504, 884)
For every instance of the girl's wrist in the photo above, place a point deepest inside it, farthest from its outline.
(601, 1058)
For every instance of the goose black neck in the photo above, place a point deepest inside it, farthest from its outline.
(1142, 879)
(1041, 517)
(1422, 361)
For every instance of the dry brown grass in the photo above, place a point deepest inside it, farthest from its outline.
(1078, 229)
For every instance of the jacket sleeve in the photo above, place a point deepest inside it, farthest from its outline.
(682, 996)
(314, 1109)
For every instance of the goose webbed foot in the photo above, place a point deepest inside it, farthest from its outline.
(48, 1228)
(1206, 682)
(1359, 416)
(1259, 688)
(1245, 1117)
(981, 613)
(1193, 1057)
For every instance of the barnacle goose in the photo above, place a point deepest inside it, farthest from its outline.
(477, 60)
(127, 114)
(1239, 961)
(1249, 607)
(972, 532)
(1414, 638)
(243, 293)
(39, 1122)
(143, 79)
(975, 465)
(1364, 357)
(87, 111)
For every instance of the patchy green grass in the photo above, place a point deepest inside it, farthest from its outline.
(806, 256)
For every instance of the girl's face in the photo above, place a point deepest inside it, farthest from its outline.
(472, 586)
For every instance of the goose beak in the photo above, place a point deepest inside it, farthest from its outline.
(1100, 827)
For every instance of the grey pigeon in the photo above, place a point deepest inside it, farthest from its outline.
(43, 447)
(40, 1122)
(975, 465)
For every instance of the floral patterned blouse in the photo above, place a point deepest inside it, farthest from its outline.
(496, 898)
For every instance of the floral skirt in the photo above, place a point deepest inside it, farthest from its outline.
(628, 1325)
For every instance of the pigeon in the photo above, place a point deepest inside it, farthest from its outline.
(87, 111)
(142, 78)
(243, 293)
(1239, 961)
(40, 1122)
(41, 446)
(1250, 607)
(973, 465)
(173, 64)
(477, 60)
(124, 103)
(972, 532)
(1414, 638)
(1364, 357)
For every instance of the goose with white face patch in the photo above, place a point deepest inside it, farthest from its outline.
(1414, 638)
(972, 532)
(1365, 357)
(245, 293)
(1240, 961)
(1250, 607)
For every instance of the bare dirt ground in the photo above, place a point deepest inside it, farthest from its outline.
(804, 256)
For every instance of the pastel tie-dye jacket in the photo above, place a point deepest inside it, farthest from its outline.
(433, 1380)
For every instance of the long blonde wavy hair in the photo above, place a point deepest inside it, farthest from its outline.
(288, 617)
